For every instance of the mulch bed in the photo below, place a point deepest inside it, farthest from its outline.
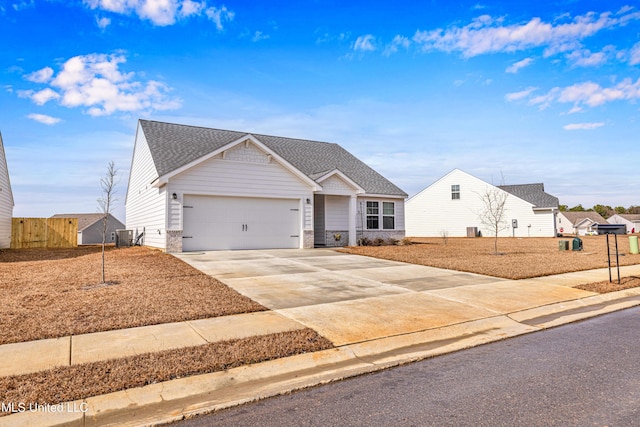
(50, 293)
(81, 381)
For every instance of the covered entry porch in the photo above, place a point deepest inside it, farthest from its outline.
(334, 219)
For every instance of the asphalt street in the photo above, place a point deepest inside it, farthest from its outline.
(581, 374)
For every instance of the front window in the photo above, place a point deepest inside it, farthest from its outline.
(455, 192)
(373, 216)
(386, 216)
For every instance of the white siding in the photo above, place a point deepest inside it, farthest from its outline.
(632, 226)
(225, 177)
(145, 205)
(6, 201)
(336, 185)
(433, 211)
(336, 210)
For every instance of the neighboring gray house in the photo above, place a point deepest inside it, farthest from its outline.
(453, 204)
(194, 188)
(90, 227)
(6, 201)
(632, 221)
(578, 223)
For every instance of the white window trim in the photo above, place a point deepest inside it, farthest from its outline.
(380, 215)
(453, 192)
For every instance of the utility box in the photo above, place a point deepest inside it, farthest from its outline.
(577, 244)
(124, 238)
(472, 231)
(633, 245)
(563, 245)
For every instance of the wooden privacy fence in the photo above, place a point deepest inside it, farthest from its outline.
(44, 233)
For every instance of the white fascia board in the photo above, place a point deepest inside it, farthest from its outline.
(345, 178)
(382, 196)
(164, 179)
(6, 168)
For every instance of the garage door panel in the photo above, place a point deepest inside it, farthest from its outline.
(218, 223)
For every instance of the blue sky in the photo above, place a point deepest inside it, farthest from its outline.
(521, 91)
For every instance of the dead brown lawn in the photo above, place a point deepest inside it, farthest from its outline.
(520, 257)
(54, 293)
(81, 381)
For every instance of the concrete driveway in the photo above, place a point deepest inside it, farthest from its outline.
(351, 298)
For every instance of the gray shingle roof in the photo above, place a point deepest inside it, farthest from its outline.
(576, 217)
(631, 217)
(532, 193)
(173, 146)
(85, 220)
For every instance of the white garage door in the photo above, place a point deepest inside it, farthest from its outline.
(218, 223)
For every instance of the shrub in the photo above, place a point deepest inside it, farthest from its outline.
(406, 241)
(378, 241)
(363, 241)
(392, 242)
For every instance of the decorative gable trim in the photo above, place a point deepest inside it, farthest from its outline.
(246, 140)
(336, 173)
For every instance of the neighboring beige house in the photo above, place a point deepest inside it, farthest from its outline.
(193, 188)
(6, 200)
(578, 223)
(632, 221)
(90, 227)
(453, 204)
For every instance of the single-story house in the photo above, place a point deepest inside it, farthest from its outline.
(578, 223)
(194, 188)
(90, 227)
(453, 206)
(632, 221)
(6, 200)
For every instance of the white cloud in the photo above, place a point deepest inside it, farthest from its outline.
(96, 82)
(583, 126)
(488, 35)
(42, 118)
(365, 43)
(398, 41)
(103, 22)
(586, 58)
(219, 16)
(592, 94)
(162, 12)
(258, 36)
(21, 5)
(515, 67)
(43, 96)
(40, 76)
(515, 96)
(587, 94)
(188, 8)
(635, 54)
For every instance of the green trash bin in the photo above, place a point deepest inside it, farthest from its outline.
(563, 245)
(633, 244)
(577, 244)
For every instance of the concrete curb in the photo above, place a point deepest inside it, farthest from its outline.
(182, 398)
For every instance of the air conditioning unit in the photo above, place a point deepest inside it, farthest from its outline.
(124, 238)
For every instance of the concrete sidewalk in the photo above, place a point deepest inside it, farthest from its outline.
(377, 313)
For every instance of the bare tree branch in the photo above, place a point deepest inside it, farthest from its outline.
(492, 216)
(105, 203)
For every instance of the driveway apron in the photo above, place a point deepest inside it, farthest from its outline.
(351, 298)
